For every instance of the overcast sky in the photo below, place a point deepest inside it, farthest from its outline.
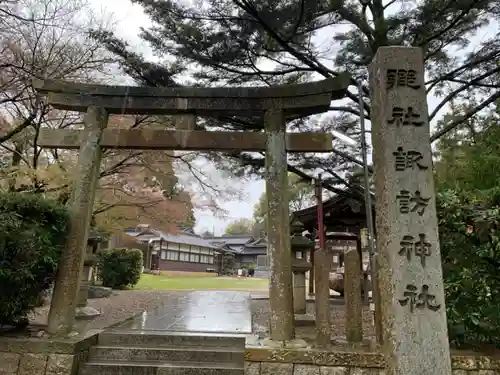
(129, 18)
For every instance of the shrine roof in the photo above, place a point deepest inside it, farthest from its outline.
(341, 212)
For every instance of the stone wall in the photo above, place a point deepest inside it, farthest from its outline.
(260, 361)
(40, 356)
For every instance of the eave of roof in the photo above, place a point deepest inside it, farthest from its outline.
(185, 239)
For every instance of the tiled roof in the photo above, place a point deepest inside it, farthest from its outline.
(186, 239)
(236, 244)
(231, 240)
(260, 250)
(252, 247)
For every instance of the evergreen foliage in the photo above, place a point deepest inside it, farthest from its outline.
(33, 232)
(120, 268)
(240, 42)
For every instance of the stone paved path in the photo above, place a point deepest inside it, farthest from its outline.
(199, 311)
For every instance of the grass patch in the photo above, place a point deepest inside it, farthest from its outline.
(161, 282)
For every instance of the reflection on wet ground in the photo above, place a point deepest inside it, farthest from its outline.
(199, 311)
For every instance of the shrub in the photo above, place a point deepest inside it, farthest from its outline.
(228, 264)
(33, 232)
(251, 270)
(119, 268)
(470, 247)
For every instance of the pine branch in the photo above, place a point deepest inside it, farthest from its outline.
(467, 115)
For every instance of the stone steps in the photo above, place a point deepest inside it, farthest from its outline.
(171, 339)
(163, 368)
(168, 353)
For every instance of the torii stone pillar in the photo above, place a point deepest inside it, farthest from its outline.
(68, 279)
(282, 324)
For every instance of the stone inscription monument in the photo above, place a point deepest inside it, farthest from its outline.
(410, 274)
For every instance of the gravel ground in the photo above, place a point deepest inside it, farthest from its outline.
(116, 308)
(261, 315)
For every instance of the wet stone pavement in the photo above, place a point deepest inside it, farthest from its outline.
(198, 311)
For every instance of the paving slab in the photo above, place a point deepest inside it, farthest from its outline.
(198, 311)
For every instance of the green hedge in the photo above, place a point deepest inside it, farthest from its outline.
(470, 248)
(33, 232)
(119, 268)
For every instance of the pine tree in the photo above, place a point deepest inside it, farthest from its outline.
(240, 42)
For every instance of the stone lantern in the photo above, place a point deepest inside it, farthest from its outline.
(300, 247)
(84, 312)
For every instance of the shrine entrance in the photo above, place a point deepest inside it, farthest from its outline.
(273, 105)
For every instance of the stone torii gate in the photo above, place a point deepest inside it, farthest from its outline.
(274, 104)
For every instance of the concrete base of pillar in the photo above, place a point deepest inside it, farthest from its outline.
(304, 320)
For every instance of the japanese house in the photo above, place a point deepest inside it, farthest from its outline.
(183, 251)
(246, 249)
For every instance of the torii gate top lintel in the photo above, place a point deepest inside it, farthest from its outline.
(296, 99)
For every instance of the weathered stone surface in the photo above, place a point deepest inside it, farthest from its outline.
(96, 291)
(352, 296)
(336, 282)
(46, 345)
(285, 345)
(268, 368)
(299, 292)
(278, 229)
(305, 320)
(328, 370)
(185, 122)
(86, 313)
(334, 86)
(84, 289)
(410, 275)
(307, 98)
(472, 362)
(61, 364)
(67, 285)
(9, 363)
(352, 363)
(306, 370)
(322, 299)
(173, 354)
(32, 364)
(377, 318)
(359, 359)
(252, 368)
(352, 359)
(295, 106)
(365, 371)
(317, 357)
(140, 338)
(151, 139)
